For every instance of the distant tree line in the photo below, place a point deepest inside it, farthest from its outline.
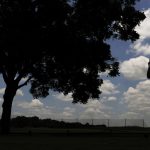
(36, 122)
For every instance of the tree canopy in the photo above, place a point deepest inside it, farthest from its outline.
(61, 45)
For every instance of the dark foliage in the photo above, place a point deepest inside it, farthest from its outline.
(35, 122)
(52, 42)
(148, 71)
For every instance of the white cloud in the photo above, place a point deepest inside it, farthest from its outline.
(69, 109)
(23, 80)
(137, 98)
(108, 88)
(96, 104)
(66, 98)
(40, 112)
(68, 113)
(104, 74)
(35, 103)
(37, 108)
(109, 92)
(1, 100)
(130, 115)
(112, 98)
(141, 46)
(135, 68)
(19, 92)
(144, 27)
(34, 108)
(94, 109)
(91, 113)
(65, 115)
(2, 90)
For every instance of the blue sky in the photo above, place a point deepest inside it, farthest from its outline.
(126, 96)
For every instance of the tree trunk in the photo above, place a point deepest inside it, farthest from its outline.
(10, 92)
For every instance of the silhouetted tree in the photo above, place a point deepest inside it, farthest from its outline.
(148, 70)
(35, 122)
(61, 45)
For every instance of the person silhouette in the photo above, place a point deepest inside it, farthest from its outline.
(148, 71)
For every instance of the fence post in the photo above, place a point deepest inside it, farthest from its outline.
(125, 122)
(92, 122)
(143, 123)
(108, 122)
(76, 120)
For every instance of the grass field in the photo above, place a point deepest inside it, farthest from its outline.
(74, 139)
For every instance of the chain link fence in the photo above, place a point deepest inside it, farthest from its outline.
(110, 122)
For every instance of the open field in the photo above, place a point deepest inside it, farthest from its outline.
(44, 142)
(76, 139)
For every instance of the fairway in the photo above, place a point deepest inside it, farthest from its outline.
(74, 142)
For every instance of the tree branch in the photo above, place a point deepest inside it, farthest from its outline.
(25, 83)
(4, 76)
(20, 76)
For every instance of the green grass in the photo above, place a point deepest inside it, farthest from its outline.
(81, 140)
(25, 142)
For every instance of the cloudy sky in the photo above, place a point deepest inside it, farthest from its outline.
(126, 96)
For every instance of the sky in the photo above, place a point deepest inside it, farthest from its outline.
(124, 97)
